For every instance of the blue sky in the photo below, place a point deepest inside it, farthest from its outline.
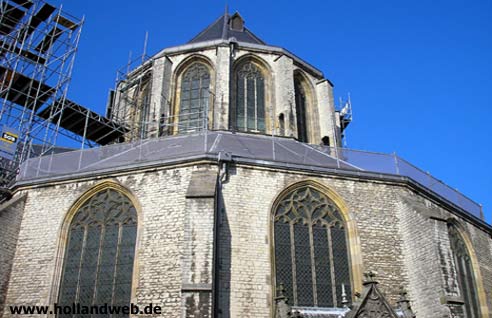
(419, 72)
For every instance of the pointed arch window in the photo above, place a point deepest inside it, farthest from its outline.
(143, 98)
(250, 99)
(464, 271)
(98, 259)
(300, 97)
(311, 252)
(194, 98)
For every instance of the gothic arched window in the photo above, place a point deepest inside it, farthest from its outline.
(311, 252)
(249, 114)
(300, 96)
(143, 102)
(98, 260)
(194, 98)
(464, 272)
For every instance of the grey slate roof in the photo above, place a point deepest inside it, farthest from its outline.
(221, 29)
(157, 151)
(259, 150)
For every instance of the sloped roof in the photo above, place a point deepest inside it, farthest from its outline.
(239, 147)
(222, 29)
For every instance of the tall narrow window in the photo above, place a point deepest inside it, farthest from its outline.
(250, 99)
(98, 262)
(464, 272)
(144, 107)
(194, 97)
(300, 96)
(311, 252)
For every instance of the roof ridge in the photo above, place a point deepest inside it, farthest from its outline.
(217, 30)
(224, 25)
(207, 28)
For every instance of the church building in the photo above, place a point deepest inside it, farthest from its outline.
(229, 194)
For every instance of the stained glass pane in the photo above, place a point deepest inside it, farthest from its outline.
(89, 265)
(314, 216)
(253, 118)
(472, 291)
(283, 258)
(240, 110)
(251, 111)
(107, 265)
(68, 288)
(322, 266)
(304, 278)
(97, 251)
(260, 101)
(194, 97)
(300, 111)
(465, 273)
(340, 260)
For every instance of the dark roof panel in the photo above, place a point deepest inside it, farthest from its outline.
(222, 29)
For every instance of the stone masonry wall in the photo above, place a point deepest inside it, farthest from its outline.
(10, 221)
(428, 257)
(161, 195)
(245, 270)
(399, 233)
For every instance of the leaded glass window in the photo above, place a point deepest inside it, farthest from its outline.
(250, 99)
(300, 96)
(98, 261)
(194, 98)
(311, 253)
(144, 103)
(464, 272)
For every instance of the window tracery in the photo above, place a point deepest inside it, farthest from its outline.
(311, 253)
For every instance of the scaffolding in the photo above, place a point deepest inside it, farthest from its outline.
(38, 44)
(132, 105)
(343, 117)
(129, 104)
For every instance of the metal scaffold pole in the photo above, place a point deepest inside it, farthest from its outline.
(38, 44)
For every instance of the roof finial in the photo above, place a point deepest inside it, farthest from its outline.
(226, 10)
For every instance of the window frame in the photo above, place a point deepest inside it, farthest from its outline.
(64, 234)
(351, 236)
(268, 107)
(169, 125)
(459, 254)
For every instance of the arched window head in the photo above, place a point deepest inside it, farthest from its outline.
(194, 98)
(250, 99)
(98, 260)
(300, 96)
(311, 253)
(464, 271)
